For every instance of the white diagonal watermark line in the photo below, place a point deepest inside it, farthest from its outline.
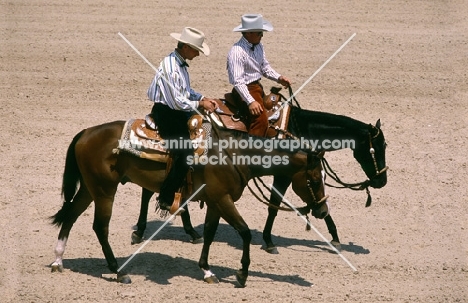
(317, 71)
(152, 66)
(160, 228)
(137, 51)
(315, 229)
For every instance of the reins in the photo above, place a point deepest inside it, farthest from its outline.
(264, 197)
(245, 181)
(359, 185)
(354, 186)
(329, 171)
(324, 199)
(293, 97)
(302, 210)
(275, 90)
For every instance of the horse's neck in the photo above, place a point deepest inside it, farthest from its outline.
(321, 126)
(259, 159)
(279, 163)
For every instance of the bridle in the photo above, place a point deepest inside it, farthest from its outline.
(329, 171)
(313, 204)
(372, 153)
(359, 185)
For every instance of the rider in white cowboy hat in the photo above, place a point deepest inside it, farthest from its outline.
(193, 38)
(174, 102)
(246, 65)
(253, 23)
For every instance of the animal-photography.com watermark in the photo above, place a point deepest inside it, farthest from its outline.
(225, 149)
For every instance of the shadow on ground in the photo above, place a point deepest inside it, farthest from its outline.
(161, 268)
(228, 235)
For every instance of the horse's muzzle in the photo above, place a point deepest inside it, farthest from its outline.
(380, 180)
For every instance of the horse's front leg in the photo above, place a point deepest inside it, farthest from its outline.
(281, 184)
(189, 230)
(209, 231)
(333, 232)
(137, 235)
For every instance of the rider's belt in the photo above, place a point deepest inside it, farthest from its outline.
(255, 82)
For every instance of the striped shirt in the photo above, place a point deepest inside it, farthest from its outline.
(245, 66)
(171, 85)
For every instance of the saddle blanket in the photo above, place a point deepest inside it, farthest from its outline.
(141, 138)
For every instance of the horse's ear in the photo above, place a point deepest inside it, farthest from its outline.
(321, 154)
(377, 124)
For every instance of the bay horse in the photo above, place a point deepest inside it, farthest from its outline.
(93, 172)
(320, 127)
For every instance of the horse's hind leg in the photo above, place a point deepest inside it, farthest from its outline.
(209, 231)
(102, 215)
(230, 213)
(71, 212)
(137, 235)
(244, 231)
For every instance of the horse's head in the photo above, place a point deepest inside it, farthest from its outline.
(309, 185)
(370, 153)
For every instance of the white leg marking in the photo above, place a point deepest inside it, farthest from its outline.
(59, 250)
(208, 274)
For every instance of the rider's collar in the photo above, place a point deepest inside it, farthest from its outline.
(180, 59)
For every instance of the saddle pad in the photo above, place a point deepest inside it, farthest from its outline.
(140, 141)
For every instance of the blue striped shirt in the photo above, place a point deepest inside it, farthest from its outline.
(245, 65)
(171, 85)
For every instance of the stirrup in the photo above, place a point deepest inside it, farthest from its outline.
(176, 205)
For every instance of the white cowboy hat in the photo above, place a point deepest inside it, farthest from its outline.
(194, 38)
(253, 23)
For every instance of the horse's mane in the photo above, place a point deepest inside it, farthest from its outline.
(304, 118)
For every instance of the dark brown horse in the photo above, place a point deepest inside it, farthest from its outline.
(92, 165)
(328, 132)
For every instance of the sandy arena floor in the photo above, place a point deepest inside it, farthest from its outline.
(64, 68)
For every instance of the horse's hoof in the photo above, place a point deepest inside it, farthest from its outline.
(197, 240)
(211, 280)
(272, 250)
(123, 278)
(336, 245)
(136, 238)
(56, 268)
(241, 278)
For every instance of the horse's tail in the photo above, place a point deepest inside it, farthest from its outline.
(71, 177)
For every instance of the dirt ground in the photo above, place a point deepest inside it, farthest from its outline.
(64, 68)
